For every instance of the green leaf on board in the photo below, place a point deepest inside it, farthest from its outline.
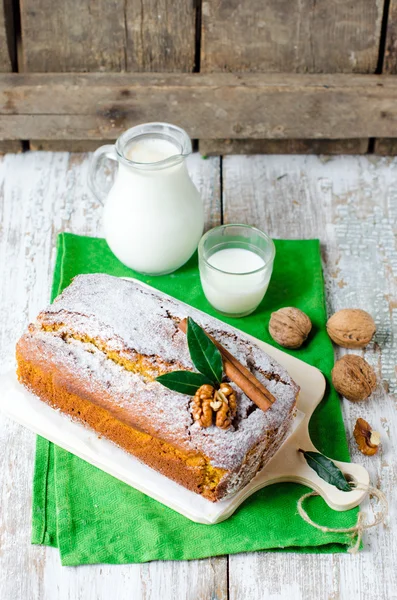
(327, 470)
(184, 382)
(204, 354)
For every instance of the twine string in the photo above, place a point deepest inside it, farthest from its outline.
(361, 525)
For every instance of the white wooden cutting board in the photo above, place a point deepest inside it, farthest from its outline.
(287, 464)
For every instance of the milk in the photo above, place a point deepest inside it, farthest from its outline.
(151, 150)
(238, 282)
(236, 260)
(153, 216)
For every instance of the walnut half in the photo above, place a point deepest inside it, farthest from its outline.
(227, 410)
(209, 405)
(367, 440)
(201, 405)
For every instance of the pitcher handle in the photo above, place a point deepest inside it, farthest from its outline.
(101, 154)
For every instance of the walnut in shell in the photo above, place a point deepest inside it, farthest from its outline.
(289, 327)
(351, 328)
(353, 377)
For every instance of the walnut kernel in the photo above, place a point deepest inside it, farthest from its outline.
(367, 440)
(353, 377)
(201, 405)
(351, 328)
(227, 410)
(289, 327)
(209, 404)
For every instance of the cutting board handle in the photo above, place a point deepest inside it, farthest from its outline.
(337, 499)
(290, 465)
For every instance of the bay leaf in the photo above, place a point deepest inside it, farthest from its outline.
(204, 354)
(184, 382)
(327, 470)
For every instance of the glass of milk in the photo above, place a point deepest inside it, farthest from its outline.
(236, 263)
(153, 216)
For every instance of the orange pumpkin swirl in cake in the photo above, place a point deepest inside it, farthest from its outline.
(94, 354)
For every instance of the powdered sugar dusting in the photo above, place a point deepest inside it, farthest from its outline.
(131, 318)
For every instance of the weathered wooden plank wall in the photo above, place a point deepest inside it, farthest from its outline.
(160, 35)
(110, 36)
(213, 106)
(387, 146)
(6, 37)
(390, 58)
(286, 37)
(75, 36)
(7, 59)
(81, 37)
(179, 36)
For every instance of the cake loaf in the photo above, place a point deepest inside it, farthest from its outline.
(94, 354)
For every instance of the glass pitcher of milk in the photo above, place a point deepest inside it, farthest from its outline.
(153, 214)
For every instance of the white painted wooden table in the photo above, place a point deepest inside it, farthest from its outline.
(350, 203)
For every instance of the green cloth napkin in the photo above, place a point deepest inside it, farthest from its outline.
(93, 518)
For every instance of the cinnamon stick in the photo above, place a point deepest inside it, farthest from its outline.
(241, 376)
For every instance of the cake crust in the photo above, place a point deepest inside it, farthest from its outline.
(94, 354)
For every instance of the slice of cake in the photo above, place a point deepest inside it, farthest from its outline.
(94, 354)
